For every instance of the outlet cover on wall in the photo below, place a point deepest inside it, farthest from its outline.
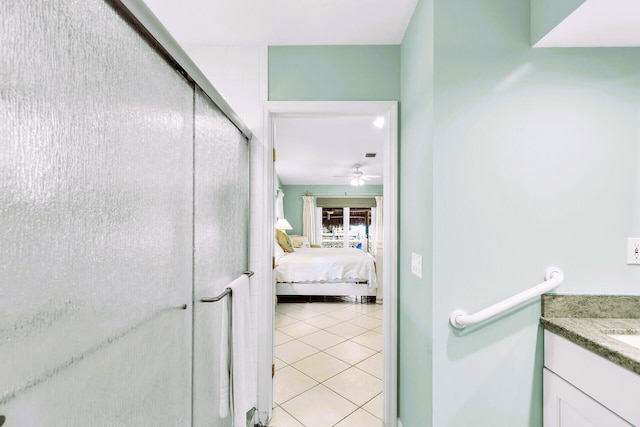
(633, 250)
(416, 265)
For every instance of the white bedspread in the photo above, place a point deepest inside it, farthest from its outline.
(326, 265)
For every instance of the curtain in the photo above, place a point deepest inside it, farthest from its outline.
(377, 237)
(279, 204)
(308, 219)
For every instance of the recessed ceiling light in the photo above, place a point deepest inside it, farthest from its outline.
(379, 122)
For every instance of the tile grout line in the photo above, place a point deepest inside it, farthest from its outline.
(366, 330)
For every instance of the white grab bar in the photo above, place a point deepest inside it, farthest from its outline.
(553, 278)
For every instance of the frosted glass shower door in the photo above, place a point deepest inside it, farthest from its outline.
(221, 231)
(96, 211)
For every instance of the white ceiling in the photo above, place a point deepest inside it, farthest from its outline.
(313, 151)
(598, 23)
(310, 150)
(284, 22)
(340, 22)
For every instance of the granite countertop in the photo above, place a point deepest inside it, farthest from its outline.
(588, 319)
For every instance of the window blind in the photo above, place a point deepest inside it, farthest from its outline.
(340, 202)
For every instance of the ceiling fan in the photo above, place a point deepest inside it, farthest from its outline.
(357, 176)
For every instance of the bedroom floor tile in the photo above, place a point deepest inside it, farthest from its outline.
(282, 418)
(286, 308)
(332, 390)
(289, 383)
(346, 330)
(301, 313)
(323, 321)
(376, 314)
(350, 352)
(356, 385)
(326, 307)
(293, 351)
(373, 365)
(360, 418)
(367, 322)
(374, 406)
(319, 407)
(298, 329)
(370, 339)
(364, 308)
(280, 337)
(321, 366)
(283, 319)
(344, 314)
(322, 339)
(279, 363)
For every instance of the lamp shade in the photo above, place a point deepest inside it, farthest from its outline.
(283, 224)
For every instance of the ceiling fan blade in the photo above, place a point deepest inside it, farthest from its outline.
(357, 173)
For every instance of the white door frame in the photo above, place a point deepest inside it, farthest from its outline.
(265, 295)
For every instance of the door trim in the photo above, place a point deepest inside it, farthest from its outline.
(265, 309)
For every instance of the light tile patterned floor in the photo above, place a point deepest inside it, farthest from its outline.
(328, 365)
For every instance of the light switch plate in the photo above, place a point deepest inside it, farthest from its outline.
(416, 265)
(633, 250)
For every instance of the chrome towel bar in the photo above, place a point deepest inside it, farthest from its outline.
(226, 292)
(218, 298)
(553, 278)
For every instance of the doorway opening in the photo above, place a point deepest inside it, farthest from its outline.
(387, 248)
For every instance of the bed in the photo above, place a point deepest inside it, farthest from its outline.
(326, 272)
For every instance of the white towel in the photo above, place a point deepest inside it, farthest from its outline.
(244, 372)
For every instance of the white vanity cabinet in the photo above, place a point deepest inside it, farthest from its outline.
(567, 406)
(583, 389)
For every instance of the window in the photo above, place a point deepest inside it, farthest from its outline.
(355, 220)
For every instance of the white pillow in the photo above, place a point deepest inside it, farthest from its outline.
(278, 252)
(299, 241)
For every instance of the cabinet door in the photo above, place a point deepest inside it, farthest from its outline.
(567, 406)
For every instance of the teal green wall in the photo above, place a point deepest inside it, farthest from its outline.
(511, 159)
(415, 296)
(293, 203)
(334, 73)
(535, 163)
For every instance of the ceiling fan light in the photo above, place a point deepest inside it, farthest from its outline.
(357, 181)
